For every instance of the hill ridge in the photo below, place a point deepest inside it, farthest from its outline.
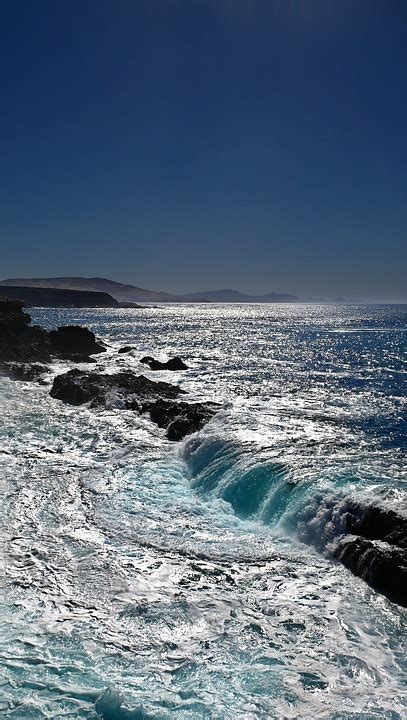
(131, 293)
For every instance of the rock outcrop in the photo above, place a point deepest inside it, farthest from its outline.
(19, 340)
(24, 348)
(74, 342)
(376, 549)
(77, 387)
(377, 523)
(173, 364)
(181, 418)
(138, 393)
(25, 372)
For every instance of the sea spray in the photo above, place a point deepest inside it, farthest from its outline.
(146, 574)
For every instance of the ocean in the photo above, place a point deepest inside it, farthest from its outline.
(149, 579)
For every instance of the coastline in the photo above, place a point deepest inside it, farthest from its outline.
(127, 550)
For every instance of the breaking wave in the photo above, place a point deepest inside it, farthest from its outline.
(313, 510)
(146, 580)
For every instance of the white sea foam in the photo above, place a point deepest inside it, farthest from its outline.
(145, 579)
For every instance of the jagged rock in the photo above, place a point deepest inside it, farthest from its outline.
(13, 320)
(74, 340)
(377, 523)
(176, 364)
(19, 341)
(135, 392)
(24, 373)
(126, 349)
(378, 553)
(381, 565)
(173, 364)
(22, 343)
(77, 387)
(181, 418)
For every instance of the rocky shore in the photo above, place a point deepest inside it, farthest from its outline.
(19, 340)
(22, 342)
(374, 544)
(26, 350)
(376, 549)
(138, 393)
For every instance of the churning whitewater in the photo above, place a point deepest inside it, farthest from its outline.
(150, 579)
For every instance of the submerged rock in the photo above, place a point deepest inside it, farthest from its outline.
(24, 372)
(76, 357)
(73, 340)
(135, 392)
(175, 363)
(378, 553)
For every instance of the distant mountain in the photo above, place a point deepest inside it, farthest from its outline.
(58, 297)
(121, 292)
(131, 293)
(238, 297)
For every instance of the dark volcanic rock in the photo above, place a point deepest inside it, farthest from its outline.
(19, 341)
(377, 523)
(135, 392)
(382, 566)
(76, 387)
(376, 549)
(22, 343)
(181, 418)
(13, 320)
(126, 349)
(25, 372)
(70, 340)
(173, 364)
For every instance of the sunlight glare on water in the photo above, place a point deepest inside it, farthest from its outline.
(149, 579)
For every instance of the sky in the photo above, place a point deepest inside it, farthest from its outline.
(187, 145)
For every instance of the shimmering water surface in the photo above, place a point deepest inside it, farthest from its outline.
(149, 579)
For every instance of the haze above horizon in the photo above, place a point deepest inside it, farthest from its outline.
(211, 144)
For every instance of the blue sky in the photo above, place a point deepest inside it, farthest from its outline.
(196, 144)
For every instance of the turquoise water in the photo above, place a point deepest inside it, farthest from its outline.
(149, 579)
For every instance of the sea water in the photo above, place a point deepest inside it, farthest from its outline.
(150, 579)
